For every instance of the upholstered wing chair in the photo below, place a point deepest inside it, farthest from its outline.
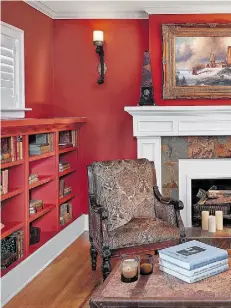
(127, 213)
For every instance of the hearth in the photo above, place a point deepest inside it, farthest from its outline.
(211, 195)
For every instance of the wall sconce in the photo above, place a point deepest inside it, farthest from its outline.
(98, 42)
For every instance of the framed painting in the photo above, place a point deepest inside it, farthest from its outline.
(196, 61)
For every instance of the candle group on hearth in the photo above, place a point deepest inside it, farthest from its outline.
(212, 223)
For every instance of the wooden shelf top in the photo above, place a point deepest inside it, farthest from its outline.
(10, 228)
(47, 208)
(12, 164)
(61, 151)
(37, 157)
(42, 121)
(66, 198)
(34, 125)
(68, 171)
(12, 193)
(42, 179)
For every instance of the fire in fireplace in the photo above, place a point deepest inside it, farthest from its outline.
(211, 195)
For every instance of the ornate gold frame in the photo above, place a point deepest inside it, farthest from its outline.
(170, 90)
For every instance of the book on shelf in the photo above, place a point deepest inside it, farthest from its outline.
(65, 145)
(67, 191)
(68, 138)
(195, 278)
(36, 206)
(38, 149)
(33, 178)
(192, 255)
(64, 166)
(4, 180)
(65, 213)
(45, 138)
(195, 272)
(61, 188)
(11, 149)
(12, 248)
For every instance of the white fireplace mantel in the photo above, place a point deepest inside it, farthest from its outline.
(180, 120)
(150, 123)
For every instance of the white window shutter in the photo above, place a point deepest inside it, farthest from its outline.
(12, 72)
(7, 58)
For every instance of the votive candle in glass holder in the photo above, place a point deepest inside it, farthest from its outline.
(129, 268)
(205, 220)
(219, 220)
(212, 224)
(146, 264)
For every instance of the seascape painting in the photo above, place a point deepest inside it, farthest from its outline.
(202, 61)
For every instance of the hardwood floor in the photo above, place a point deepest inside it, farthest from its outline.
(66, 283)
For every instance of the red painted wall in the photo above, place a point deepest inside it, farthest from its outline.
(155, 46)
(108, 132)
(38, 40)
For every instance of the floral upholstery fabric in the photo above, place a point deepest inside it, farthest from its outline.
(140, 231)
(165, 212)
(125, 189)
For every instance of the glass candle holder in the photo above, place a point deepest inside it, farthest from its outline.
(146, 264)
(129, 268)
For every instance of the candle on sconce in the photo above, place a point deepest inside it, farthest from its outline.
(212, 224)
(205, 220)
(219, 220)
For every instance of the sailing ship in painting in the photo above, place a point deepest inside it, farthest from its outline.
(195, 68)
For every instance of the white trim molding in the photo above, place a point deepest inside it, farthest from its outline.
(14, 281)
(127, 9)
(190, 169)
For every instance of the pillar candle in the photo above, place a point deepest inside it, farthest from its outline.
(219, 220)
(212, 224)
(129, 268)
(205, 220)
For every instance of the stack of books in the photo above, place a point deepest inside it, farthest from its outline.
(68, 138)
(38, 149)
(11, 149)
(33, 178)
(193, 261)
(4, 181)
(64, 191)
(12, 248)
(64, 166)
(65, 213)
(36, 206)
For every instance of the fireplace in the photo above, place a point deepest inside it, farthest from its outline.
(211, 195)
(186, 143)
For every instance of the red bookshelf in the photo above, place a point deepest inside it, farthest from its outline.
(16, 216)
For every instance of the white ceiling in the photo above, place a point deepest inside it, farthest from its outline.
(127, 9)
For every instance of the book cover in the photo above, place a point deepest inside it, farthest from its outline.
(192, 254)
(196, 278)
(195, 272)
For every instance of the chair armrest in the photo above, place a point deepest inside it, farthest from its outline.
(168, 210)
(178, 204)
(98, 230)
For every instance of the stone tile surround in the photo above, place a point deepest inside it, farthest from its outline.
(184, 147)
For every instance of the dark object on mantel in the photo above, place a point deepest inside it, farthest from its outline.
(146, 97)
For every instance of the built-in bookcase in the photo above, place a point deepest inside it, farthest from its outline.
(36, 155)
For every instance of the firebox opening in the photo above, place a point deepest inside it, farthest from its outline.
(211, 195)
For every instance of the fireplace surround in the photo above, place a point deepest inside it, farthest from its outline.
(161, 129)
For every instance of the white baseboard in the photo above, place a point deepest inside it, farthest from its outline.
(20, 276)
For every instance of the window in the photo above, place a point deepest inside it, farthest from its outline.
(12, 72)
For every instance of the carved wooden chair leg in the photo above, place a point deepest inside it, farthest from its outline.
(106, 264)
(94, 254)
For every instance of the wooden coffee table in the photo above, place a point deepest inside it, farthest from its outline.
(161, 290)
